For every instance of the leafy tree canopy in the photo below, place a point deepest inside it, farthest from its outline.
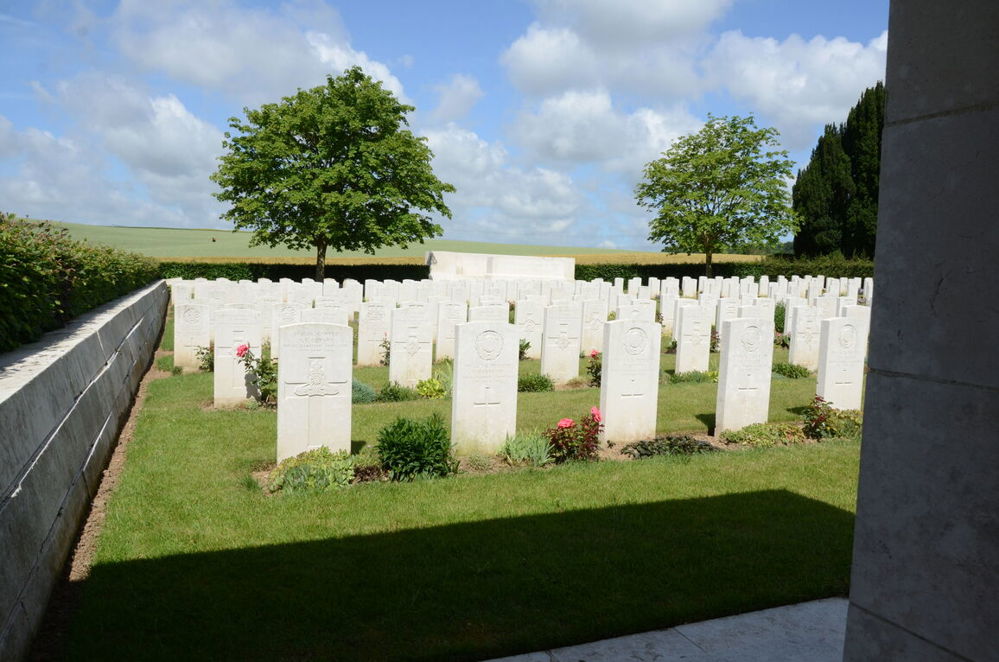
(719, 187)
(334, 167)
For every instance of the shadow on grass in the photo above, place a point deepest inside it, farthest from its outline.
(471, 590)
(708, 420)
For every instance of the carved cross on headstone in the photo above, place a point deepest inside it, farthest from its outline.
(486, 397)
(316, 384)
(632, 390)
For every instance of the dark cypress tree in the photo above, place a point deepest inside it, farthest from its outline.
(862, 143)
(836, 194)
(821, 196)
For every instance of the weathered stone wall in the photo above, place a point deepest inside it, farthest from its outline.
(926, 547)
(63, 400)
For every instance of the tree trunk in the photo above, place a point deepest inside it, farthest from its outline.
(320, 259)
(707, 262)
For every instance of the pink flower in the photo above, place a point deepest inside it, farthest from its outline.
(242, 350)
(594, 353)
(595, 413)
(566, 423)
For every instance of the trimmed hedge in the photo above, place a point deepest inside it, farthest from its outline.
(772, 266)
(255, 270)
(836, 267)
(46, 278)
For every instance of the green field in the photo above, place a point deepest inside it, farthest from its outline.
(181, 243)
(224, 245)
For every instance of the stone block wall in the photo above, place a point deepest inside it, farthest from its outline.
(63, 401)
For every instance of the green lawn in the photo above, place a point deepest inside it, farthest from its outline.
(194, 561)
(191, 243)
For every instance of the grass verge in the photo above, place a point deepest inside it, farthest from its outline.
(194, 558)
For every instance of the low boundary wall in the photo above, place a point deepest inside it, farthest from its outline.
(63, 401)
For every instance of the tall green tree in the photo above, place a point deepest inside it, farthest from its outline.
(333, 167)
(862, 143)
(720, 187)
(836, 194)
(821, 196)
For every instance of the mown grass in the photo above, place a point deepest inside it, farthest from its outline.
(194, 560)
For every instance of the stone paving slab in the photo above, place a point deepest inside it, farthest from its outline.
(809, 631)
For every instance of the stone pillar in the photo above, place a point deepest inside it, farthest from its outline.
(926, 545)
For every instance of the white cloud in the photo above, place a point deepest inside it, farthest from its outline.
(65, 179)
(628, 23)
(254, 55)
(797, 84)
(495, 200)
(583, 127)
(457, 97)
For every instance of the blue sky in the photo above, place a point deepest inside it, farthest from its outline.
(540, 112)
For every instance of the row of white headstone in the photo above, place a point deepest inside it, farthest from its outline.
(421, 332)
(315, 373)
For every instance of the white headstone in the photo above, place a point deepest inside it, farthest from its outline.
(411, 355)
(191, 330)
(448, 314)
(594, 317)
(629, 381)
(493, 312)
(373, 327)
(234, 327)
(744, 373)
(314, 388)
(805, 334)
(561, 342)
(484, 390)
(529, 317)
(281, 315)
(693, 339)
(842, 349)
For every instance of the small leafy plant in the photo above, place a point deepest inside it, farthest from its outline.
(535, 383)
(361, 393)
(206, 358)
(782, 339)
(790, 370)
(822, 421)
(431, 389)
(594, 367)
(765, 435)
(571, 440)
(312, 471)
(780, 314)
(531, 449)
(386, 347)
(693, 377)
(682, 444)
(263, 371)
(393, 392)
(410, 449)
(522, 351)
(670, 347)
(715, 341)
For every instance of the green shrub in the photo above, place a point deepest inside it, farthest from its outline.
(393, 392)
(594, 367)
(822, 421)
(386, 347)
(531, 449)
(275, 271)
(444, 373)
(772, 266)
(312, 471)
(535, 383)
(790, 370)
(765, 435)
(522, 351)
(410, 449)
(780, 312)
(431, 389)
(361, 393)
(682, 444)
(694, 377)
(49, 278)
(576, 440)
(206, 358)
